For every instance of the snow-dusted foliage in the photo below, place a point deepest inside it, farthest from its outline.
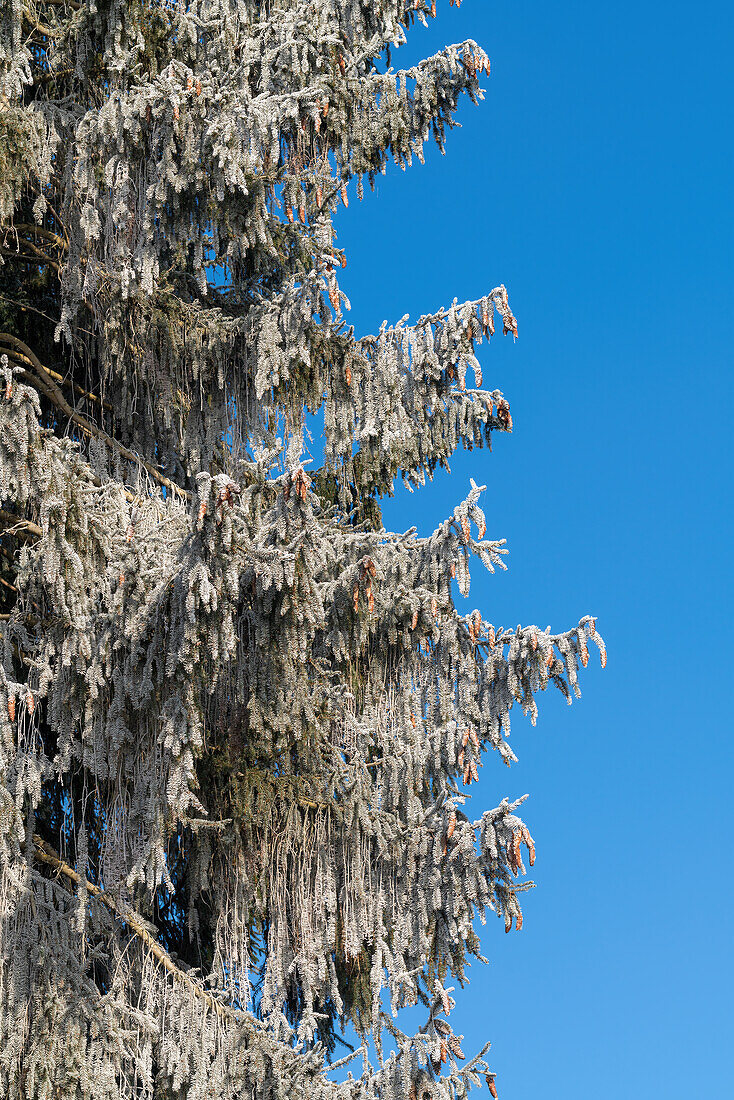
(237, 715)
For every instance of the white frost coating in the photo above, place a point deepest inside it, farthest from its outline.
(238, 718)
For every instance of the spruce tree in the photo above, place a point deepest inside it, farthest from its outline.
(238, 717)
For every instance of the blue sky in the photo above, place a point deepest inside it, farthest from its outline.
(591, 181)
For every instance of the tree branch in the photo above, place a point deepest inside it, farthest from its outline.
(37, 25)
(46, 854)
(31, 378)
(38, 231)
(37, 259)
(55, 395)
(25, 528)
(25, 307)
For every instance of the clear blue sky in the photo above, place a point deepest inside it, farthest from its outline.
(595, 182)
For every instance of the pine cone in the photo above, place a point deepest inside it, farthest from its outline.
(455, 1047)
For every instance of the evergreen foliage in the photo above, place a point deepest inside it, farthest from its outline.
(237, 715)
